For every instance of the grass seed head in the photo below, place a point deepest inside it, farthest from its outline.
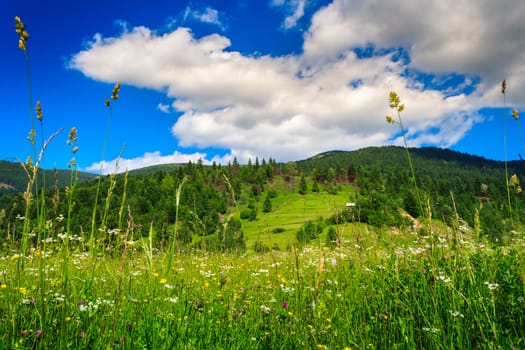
(395, 102)
(23, 34)
(115, 91)
(39, 115)
(503, 86)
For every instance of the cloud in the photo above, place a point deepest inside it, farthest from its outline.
(207, 15)
(163, 108)
(481, 38)
(294, 10)
(335, 94)
(120, 165)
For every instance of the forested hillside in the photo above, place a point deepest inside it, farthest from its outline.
(14, 179)
(215, 202)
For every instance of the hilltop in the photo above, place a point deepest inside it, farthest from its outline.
(263, 205)
(13, 178)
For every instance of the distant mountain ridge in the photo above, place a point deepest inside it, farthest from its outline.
(395, 156)
(13, 178)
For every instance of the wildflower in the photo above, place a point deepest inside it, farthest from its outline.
(163, 281)
(15, 257)
(284, 304)
(3, 285)
(456, 314)
(433, 330)
(514, 181)
(334, 262)
(38, 333)
(390, 120)
(22, 290)
(492, 286)
(384, 317)
(265, 309)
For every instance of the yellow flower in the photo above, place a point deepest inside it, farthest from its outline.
(163, 281)
(390, 120)
(15, 257)
(22, 290)
(3, 286)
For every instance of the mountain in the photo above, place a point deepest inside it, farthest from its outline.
(13, 178)
(394, 156)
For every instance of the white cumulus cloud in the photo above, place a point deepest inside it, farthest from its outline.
(329, 96)
(148, 159)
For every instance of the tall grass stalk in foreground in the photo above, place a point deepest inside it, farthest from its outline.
(395, 104)
(114, 97)
(507, 184)
(175, 236)
(31, 168)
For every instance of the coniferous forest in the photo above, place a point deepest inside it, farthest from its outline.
(214, 201)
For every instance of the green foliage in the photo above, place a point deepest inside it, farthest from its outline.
(310, 231)
(248, 214)
(267, 205)
(302, 185)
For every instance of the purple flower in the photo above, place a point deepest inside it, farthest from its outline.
(38, 333)
(80, 303)
(284, 304)
(128, 325)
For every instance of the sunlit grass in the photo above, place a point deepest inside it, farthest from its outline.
(382, 293)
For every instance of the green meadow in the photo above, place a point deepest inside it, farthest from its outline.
(80, 270)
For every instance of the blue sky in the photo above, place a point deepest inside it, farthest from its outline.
(286, 79)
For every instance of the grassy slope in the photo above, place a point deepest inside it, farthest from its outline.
(290, 210)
